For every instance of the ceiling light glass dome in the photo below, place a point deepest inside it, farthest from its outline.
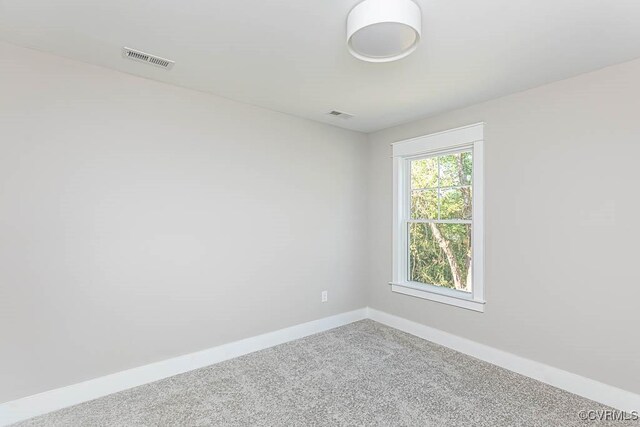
(383, 30)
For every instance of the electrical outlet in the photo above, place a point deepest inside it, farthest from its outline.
(325, 297)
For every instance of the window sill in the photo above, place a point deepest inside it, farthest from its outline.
(421, 291)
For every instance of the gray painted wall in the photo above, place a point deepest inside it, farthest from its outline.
(141, 221)
(561, 238)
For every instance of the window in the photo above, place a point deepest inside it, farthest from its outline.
(438, 219)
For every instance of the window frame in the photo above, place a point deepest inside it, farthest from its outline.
(463, 138)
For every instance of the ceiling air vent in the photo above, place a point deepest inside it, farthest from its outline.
(340, 114)
(139, 56)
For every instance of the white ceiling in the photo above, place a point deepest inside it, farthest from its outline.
(290, 55)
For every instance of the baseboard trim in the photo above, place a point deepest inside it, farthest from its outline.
(42, 403)
(576, 384)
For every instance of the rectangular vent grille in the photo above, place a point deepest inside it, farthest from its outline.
(139, 56)
(340, 114)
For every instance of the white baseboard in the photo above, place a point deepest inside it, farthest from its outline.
(576, 384)
(53, 400)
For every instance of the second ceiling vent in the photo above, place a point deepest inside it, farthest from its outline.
(341, 114)
(139, 56)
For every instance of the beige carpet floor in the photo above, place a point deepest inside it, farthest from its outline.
(362, 374)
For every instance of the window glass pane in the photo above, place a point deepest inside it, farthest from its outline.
(467, 167)
(424, 204)
(424, 173)
(440, 254)
(456, 169)
(455, 203)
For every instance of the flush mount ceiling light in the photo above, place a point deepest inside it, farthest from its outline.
(383, 30)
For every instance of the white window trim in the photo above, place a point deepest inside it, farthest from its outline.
(466, 137)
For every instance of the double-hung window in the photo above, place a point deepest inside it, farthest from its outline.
(438, 233)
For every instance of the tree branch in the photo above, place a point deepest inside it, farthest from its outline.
(451, 259)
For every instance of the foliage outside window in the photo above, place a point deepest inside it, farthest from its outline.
(440, 250)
